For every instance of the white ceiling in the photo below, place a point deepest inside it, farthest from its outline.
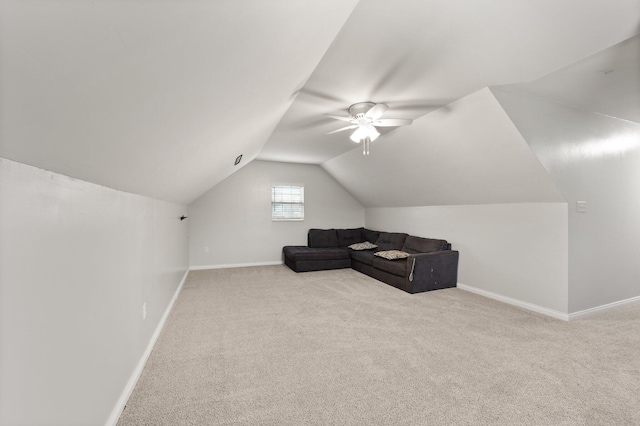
(607, 82)
(419, 55)
(469, 153)
(153, 97)
(159, 97)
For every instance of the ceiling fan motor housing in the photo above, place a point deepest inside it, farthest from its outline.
(360, 109)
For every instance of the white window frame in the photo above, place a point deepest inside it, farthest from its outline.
(290, 198)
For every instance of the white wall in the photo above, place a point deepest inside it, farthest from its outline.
(592, 158)
(518, 251)
(234, 218)
(77, 261)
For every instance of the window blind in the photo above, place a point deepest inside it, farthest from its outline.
(287, 202)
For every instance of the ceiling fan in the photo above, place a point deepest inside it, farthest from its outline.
(365, 117)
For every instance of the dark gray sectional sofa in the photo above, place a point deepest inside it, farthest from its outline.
(431, 264)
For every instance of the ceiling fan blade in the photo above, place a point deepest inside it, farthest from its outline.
(353, 126)
(392, 122)
(341, 118)
(376, 111)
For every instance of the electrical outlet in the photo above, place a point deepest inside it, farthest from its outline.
(144, 310)
(206, 249)
(581, 206)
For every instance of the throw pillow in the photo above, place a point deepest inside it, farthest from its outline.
(392, 254)
(362, 246)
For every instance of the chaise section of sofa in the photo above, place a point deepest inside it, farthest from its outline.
(326, 249)
(306, 259)
(430, 263)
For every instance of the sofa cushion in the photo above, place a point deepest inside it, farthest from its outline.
(321, 238)
(364, 256)
(395, 267)
(392, 254)
(391, 240)
(369, 235)
(304, 253)
(363, 246)
(423, 245)
(347, 237)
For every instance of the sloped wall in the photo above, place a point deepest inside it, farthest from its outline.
(592, 158)
(231, 224)
(468, 152)
(77, 263)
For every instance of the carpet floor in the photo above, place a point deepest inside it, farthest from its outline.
(267, 346)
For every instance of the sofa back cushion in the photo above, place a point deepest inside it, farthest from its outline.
(346, 237)
(321, 238)
(391, 240)
(369, 235)
(423, 245)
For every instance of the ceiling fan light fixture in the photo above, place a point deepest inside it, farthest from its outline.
(365, 116)
(372, 132)
(359, 134)
(363, 132)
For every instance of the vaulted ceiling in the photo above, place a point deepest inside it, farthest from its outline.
(159, 97)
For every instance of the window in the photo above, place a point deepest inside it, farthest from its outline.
(287, 202)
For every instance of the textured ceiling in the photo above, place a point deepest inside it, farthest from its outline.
(159, 97)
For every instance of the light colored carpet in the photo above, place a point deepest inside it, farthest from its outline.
(267, 346)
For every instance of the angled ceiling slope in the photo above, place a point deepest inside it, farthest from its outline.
(607, 82)
(154, 98)
(601, 86)
(468, 153)
(158, 98)
(417, 56)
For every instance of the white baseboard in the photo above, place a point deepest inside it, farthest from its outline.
(131, 384)
(515, 302)
(235, 265)
(604, 308)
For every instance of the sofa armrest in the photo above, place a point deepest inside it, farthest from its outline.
(434, 270)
